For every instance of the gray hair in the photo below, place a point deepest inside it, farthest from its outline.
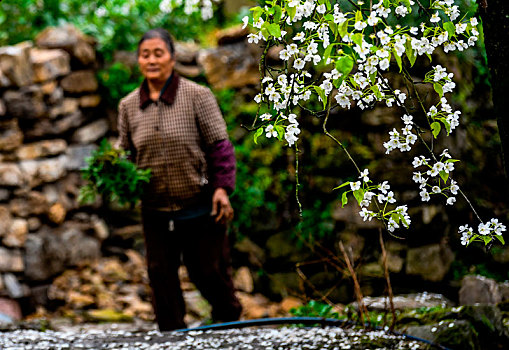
(162, 34)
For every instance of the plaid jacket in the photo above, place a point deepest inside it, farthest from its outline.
(179, 137)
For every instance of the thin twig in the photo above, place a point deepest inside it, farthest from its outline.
(297, 184)
(358, 293)
(388, 280)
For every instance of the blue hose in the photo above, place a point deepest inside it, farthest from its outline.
(295, 320)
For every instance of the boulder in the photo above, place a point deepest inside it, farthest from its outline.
(80, 247)
(79, 82)
(91, 132)
(57, 213)
(45, 170)
(25, 103)
(49, 64)
(186, 52)
(65, 107)
(89, 101)
(100, 227)
(3, 109)
(451, 334)
(11, 260)
(5, 220)
(70, 39)
(15, 64)
(242, 280)
(431, 262)
(31, 203)
(230, 66)
(77, 154)
(41, 149)
(49, 87)
(479, 290)
(488, 322)
(14, 288)
(4, 194)
(11, 175)
(407, 301)
(10, 135)
(255, 254)
(231, 35)
(17, 234)
(11, 309)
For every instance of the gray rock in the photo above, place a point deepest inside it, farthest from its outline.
(80, 247)
(488, 322)
(49, 64)
(45, 256)
(407, 301)
(431, 262)
(479, 290)
(10, 135)
(3, 109)
(4, 194)
(15, 64)
(77, 154)
(41, 149)
(504, 291)
(45, 170)
(70, 39)
(11, 175)
(14, 288)
(230, 66)
(25, 103)
(91, 132)
(80, 82)
(11, 260)
(452, 334)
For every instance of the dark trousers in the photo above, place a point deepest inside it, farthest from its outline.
(203, 245)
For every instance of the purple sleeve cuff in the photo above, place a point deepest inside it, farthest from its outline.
(221, 165)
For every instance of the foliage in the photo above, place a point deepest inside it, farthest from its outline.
(110, 174)
(345, 54)
(118, 80)
(314, 309)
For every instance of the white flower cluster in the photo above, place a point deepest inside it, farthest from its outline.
(440, 169)
(491, 228)
(383, 197)
(403, 139)
(190, 6)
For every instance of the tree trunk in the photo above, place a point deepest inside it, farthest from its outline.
(495, 18)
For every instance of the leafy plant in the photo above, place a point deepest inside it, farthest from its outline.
(314, 309)
(112, 175)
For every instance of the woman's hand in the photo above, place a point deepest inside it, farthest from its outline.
(221, 207)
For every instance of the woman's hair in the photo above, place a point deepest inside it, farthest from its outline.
(161, 34)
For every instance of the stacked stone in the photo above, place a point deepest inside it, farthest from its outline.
(49, 122)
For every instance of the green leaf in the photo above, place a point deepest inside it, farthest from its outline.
(257, 134)
(342, 185)
(292, 11)
(410, 53)
(280, 131)
(486, 239)
(359, 195)
(435, 129)
(321, 93)
(343, 28)
(439, 89)
(265, 31)
(429, 56)
(500, 238)
(327, 52)
(358, 16)
(357, 38)
(274, 30)
(444, 175)
(257, 12)
(376, 91)
(344, 199)
(398, 60)
(451, 29)
(344, 65)
(451, 161)
(278, 12)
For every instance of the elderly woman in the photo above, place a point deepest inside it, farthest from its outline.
(174, 127)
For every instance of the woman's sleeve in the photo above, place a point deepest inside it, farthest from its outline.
(124, 135)
(221, 165)
(218, 148)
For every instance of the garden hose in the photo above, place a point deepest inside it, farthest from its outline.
(295, 320)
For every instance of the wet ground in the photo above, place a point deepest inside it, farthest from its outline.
(259, 338)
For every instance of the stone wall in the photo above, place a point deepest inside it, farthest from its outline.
(50, 118)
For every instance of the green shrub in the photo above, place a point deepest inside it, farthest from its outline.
(110, 174)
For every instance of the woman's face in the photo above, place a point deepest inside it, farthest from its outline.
(155, 60)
